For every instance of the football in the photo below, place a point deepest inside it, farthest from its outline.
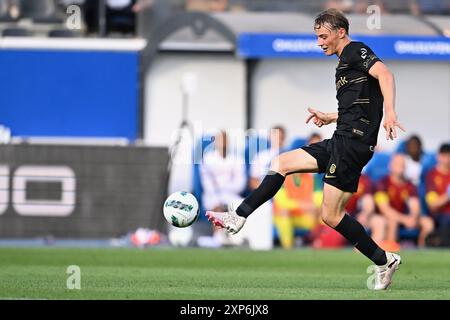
(181, 209)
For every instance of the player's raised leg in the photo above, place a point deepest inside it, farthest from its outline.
(289, 162)
(333, 214)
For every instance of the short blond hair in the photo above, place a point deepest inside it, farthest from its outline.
(333, 18)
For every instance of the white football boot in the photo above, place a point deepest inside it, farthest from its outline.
(384, 273)
(229, 220)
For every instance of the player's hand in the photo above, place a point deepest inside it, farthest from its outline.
(319, 118)
(390, 124)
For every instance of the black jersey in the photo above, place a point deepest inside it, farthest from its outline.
(359, 95)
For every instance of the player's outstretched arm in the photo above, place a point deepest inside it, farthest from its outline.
(387, 84)
(320, 118)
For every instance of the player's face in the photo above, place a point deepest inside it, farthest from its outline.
(327, 39)
(413, 148)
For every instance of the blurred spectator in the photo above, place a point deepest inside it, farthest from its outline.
(360, 6)
(120, 16)
(9, 10)
(413, 164)
(142, 5)
(207, 5)
(44, 11)
(261, 162)
(294, 204)
(355, 6)
(398, 201)
(342, 5)
(118, 4)
(223, 179)
(90, 10)
(314, 138)
(438, 193)
(362, 207)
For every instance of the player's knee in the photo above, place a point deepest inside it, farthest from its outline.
(277, 165)
(330, 217)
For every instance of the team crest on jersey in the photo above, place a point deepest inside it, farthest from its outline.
(333, 168)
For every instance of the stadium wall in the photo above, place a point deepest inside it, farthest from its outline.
(217, 101)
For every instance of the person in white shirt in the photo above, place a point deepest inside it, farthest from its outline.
(223, 178)
(413, 160)
(222, 175)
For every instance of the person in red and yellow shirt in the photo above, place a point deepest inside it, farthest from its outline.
(362, 207)
(297, 204)
(397, 200)
(438, 189)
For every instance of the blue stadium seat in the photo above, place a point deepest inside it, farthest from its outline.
(429, 160)
(378, 166)
(408, 233)
(401, 147)
(298, 143)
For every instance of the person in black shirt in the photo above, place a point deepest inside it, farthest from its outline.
(363, 84)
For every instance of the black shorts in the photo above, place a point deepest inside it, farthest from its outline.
(342, 160)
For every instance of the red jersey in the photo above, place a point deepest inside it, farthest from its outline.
(437, 184)
(364, 187)
(396, 194)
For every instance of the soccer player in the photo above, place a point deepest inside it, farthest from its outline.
(363, 82)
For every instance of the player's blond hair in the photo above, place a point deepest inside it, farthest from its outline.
(332, 18)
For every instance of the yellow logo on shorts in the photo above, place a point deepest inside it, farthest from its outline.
(333, 168)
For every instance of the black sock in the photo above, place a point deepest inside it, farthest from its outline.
(271, 183)
(354, 232)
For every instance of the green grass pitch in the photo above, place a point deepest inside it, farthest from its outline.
(230, 274)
